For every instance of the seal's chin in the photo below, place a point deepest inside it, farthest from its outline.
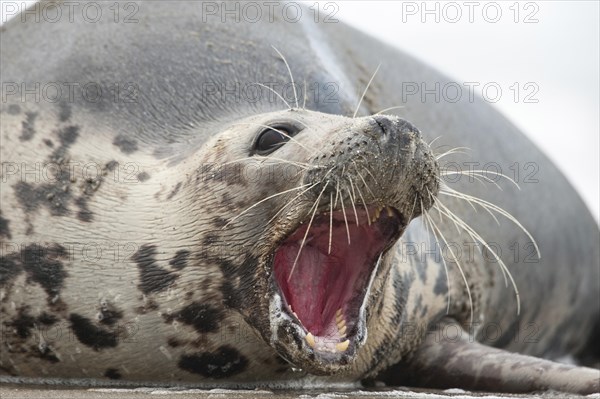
(324, 275)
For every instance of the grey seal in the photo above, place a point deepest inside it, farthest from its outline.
(171, 215)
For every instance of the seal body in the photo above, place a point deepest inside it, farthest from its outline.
(165, 218)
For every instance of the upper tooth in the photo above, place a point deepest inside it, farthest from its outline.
(390, 213)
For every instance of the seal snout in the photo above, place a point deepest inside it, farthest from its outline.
(382, 157)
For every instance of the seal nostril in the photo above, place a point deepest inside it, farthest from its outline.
(380, 126)
(384, 124)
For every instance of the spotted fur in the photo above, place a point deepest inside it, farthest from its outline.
(128, 252)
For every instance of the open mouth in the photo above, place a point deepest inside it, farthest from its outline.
(325, 274)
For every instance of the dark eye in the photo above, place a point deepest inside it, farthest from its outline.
(271, 139)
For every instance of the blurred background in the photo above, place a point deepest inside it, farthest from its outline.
(549, 49)
(552, 44)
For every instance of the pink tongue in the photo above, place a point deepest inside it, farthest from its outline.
(305, 291)
(322, 283)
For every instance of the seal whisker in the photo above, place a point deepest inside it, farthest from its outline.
(486, 204)
(458, 221)
(291, 75)
(428, 226)
(388, 109)
(481, 173)
(345, 218)
(460, 269)
(353, 202)
(330, 222)
(455, 150)
(433, 141)
(302, 165)
(474, 235)
(299, 121)
(365, 91)
(364, 203)
(306, 166)
(365, 183)
(337, 194)
(314, 212)
(466, 198)
(373, 176)
(263, 200)
(304, 93)
(291, 202)
(277, 94)
(478, 177)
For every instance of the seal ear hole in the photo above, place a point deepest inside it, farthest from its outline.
(270, 139)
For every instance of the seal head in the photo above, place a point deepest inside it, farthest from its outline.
(324, 232)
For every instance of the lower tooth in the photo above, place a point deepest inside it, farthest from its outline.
(342, 346)
(343, 331)
(310, 339)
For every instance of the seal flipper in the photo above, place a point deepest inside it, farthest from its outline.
(460, 362)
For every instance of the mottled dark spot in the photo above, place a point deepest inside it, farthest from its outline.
(400, 282)
(14, 109)
(440, 286)
(113, 374)
(109, 314)
(27, 129)
(174, 191)
(47, 354)
(47, 319)
(173, 342)
(48, 142)
(210, 240)
(180, 259)
(206, 284)
(9, 269)
(153, 278)
(222, 363)
(231, 297)
(228, 269)
(143, 176)
(67, 137)
(422, 271)
(4, 229)
(219, 222)
(65, 111)
(90, 185)
(112, 165)
(43, 266)
(84, 214)
(23, 323)
(56, 194)
(227, 200)
(127, 146)
(27, 196)
(91, 335)
(203, 317)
